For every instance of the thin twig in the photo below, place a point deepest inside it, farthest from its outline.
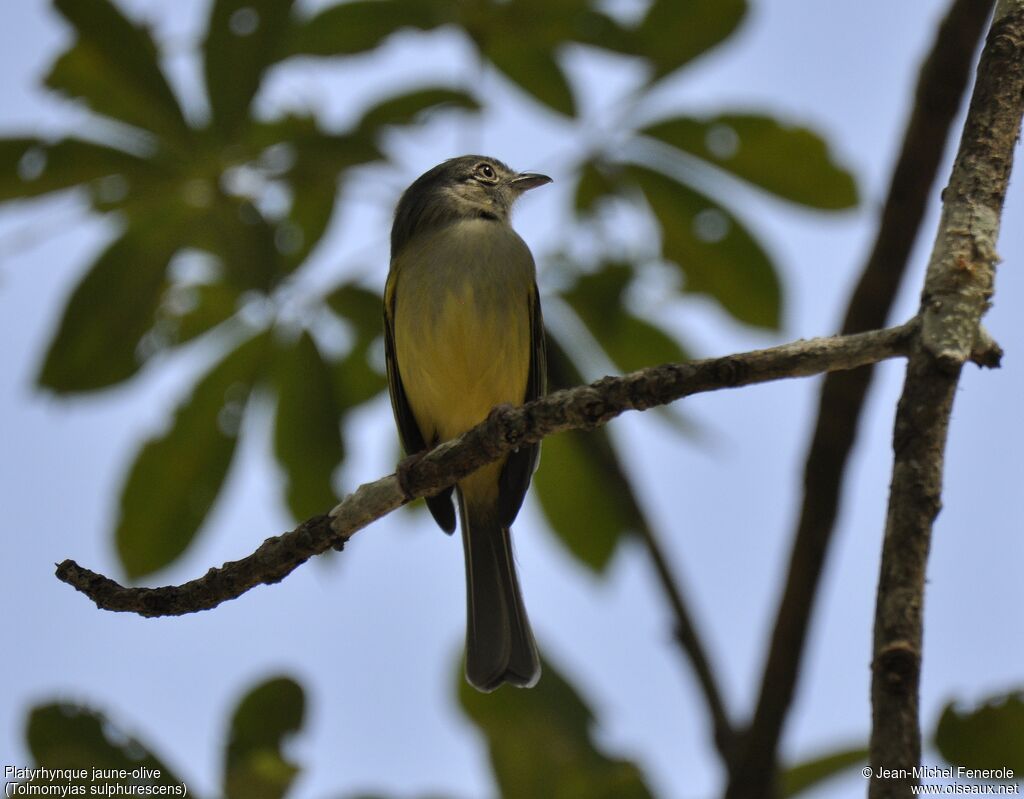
(562, 373)
(940, 88)
(507, 428)
(692, 645)
(957, 290)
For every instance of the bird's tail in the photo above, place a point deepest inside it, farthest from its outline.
(499, 642)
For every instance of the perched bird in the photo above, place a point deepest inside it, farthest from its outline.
(463, 333)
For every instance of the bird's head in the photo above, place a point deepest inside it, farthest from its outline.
(467, 187)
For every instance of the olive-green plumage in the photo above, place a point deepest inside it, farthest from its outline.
(463, 333)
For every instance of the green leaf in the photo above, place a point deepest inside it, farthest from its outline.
(314, 196)
(97, 340)
(320, 160)
(68, 736)
(989, 737)
(717, 254)
(632, 343)
(355, 380)
(793, 163)
(195, 309)
(243, 38)
(176, 476)
(410, 107)
(30, 167)
(581, 485)
(311, 162)
(359, 26)
(600, 30)
(255, 765)
(534, 68)
(307, 435)
(803, 776)
(673, 33)
(114, 67)
(244, 241)
(360, 307)
(594, 185)
(540, 743)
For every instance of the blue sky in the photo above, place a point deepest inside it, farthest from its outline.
(374, 634)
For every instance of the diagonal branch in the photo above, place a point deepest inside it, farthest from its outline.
(957, 290)
(504, 430)
(686, 634)
(940, 88)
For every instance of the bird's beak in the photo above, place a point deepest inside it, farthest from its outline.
(525, 181)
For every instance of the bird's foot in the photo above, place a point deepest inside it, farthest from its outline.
(402, 473)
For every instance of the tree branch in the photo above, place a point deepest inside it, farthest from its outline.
(690, 642)
(957, 289)
(940, 88)
(505, 429)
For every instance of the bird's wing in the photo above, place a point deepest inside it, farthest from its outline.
(519, 468)
(441, 506)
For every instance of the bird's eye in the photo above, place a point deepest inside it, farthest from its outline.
(486, 171)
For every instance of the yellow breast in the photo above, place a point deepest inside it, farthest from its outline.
(462, 324)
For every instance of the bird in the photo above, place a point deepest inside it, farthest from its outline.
(463, 333)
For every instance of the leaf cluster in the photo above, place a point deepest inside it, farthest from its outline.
(217, 210)
(540, 743)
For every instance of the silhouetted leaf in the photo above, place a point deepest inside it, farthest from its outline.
(314, 196)
(540, 743)
(572, 485)
(255, 764)
(409, 107)
(114, 67)
(320, 160)
(243, 38)
(360, 307)
(68, 736)
(355, 27)
(245, 242)
(580, 484)
(335, 151)
(593, 186)
(196, 309)
(97, 340)
(355, 380)
(30, 167)
(791, 162)
(674, 33)
(176, 476)
(534, 69)
(716, 253)
(803, 776)
(307, 435)
(632, 343)
(989, 737)
(600, 30)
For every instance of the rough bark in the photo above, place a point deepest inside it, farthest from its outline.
(941, 85)
(956, 294)
(504, 430)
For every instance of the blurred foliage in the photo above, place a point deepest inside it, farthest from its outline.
(69, 736)
(177, 476)
(991, 736)
(255, 766)
(540, 743)
(582, 489)
(811, 773)
(206, 248)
